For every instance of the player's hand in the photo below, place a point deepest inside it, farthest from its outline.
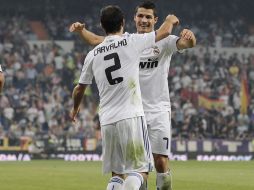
(76, 27)
(173, 19)
(73, 114)
(187, 34)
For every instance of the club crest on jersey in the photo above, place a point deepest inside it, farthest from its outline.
(156, 50)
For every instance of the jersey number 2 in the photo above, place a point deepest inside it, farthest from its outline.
(112, 68)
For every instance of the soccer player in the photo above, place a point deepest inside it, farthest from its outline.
(1, 79)
(154, 66)
(114, 64)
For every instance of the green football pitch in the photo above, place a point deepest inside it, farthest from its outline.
(60, 175)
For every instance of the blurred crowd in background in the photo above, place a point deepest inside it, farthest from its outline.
(40, 79)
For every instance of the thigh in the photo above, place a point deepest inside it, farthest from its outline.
(135, 145)
(159, 129)
(108, 146)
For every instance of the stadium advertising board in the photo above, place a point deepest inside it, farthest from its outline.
(212, 146)
(80, 149)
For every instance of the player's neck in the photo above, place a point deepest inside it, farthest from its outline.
(141, 32)
(115, 34)
(118, 33)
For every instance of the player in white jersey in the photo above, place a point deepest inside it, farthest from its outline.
(154, 67)
(1, 79)
(114, 64)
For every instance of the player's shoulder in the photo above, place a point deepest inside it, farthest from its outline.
(170, 38)
(168, 43)
(128, 35)
(94, 51)
(141, 37)
(90, 56)
(140, 34)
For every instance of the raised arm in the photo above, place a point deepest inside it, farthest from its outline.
(87, 36)
(166, 27)
(187, 40)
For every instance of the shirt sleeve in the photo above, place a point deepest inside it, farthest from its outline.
(171, 43)
(1, 69)
(143, 41)
(86, 76)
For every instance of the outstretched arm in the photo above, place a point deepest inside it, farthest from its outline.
(1, 79)
(87, 36)
(77, 96)
(187, 40)
(166, 27)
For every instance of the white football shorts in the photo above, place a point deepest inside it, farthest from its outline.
(159, 130)
(126, 147)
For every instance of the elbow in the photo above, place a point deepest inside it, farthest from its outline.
(162, 33)
(79, 90)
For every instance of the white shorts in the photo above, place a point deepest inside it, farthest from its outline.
(159, 130)
(126, 147)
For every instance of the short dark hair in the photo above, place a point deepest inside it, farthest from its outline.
(147, 5)
(112, 18)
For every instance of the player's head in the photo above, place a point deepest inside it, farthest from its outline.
(145, 17)
(112, 19)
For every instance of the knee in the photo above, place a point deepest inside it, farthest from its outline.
(133, 181)
(130, 186)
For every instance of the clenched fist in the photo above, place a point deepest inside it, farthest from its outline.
(173, 19)
(187, 34)
(76, 27)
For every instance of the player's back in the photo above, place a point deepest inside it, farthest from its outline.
(115, 65)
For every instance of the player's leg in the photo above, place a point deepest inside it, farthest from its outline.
(144, 186)
(134, 180)
(133, 137)
(160, 136)
(109, 146)
(163, 174)
(116, 182)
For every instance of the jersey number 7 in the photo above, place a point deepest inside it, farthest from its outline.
(109, 70)
(167, 141)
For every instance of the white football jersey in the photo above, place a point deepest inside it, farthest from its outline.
(115, 65)
(154, 68)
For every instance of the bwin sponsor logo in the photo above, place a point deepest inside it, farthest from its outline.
(148, 64)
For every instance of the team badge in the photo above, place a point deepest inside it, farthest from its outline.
(156, 50)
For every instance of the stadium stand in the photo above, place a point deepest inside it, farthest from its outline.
(205, 84)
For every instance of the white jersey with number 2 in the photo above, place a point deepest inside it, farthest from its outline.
(115, 65)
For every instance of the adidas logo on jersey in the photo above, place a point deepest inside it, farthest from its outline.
(151, 63)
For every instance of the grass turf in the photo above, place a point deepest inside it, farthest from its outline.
(60, 175)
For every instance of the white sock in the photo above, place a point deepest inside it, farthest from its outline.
(133, 181)
(115, 183)
(164, 181)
